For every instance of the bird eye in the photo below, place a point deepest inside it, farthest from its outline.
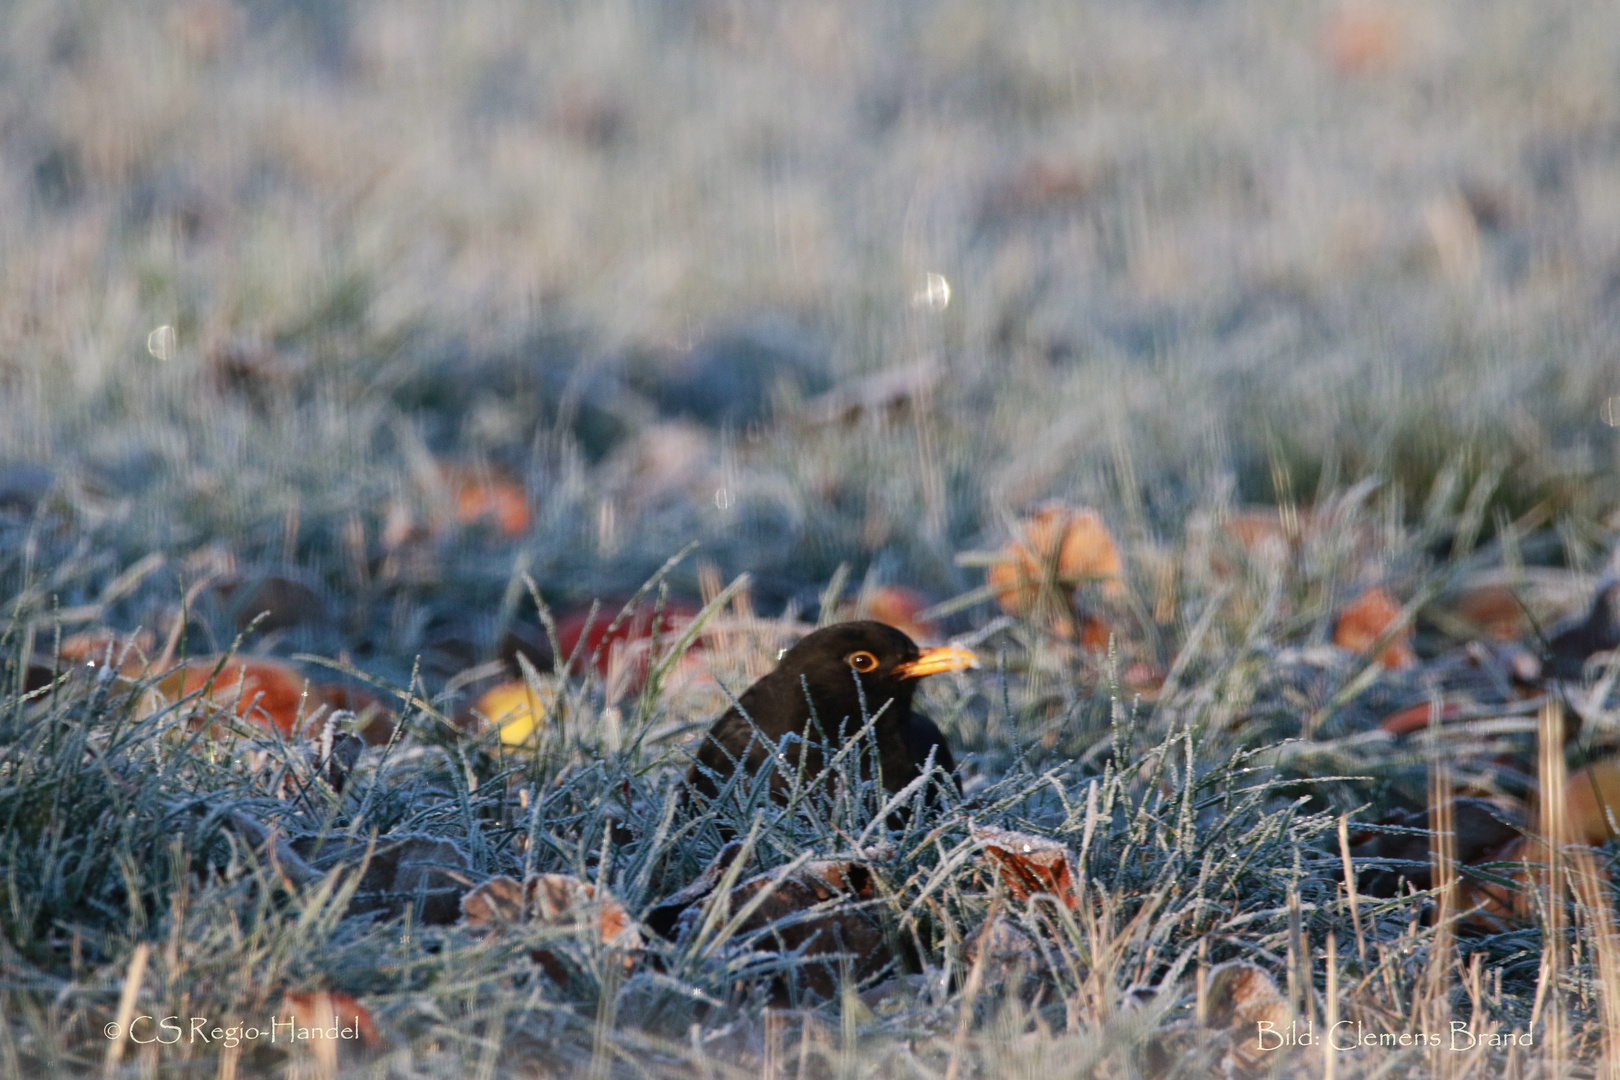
(862, 661)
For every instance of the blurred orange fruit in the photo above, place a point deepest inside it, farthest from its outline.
(1365, 619)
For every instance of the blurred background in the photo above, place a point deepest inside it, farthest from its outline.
(388, 303)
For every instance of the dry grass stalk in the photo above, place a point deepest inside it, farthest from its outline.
(126, 1008)
(1350, 887)
(1595, 910)
(1442, 960)
(1330, 1019)
(1553, 827)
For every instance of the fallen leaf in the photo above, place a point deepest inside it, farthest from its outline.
(334, 753)
(103, 647)
(1575, 642)
(896, 606)
(550, 899)
(1416, 717)
(1365, 619)
(1256, 535)
(329, 1015)
(400, 526)
(514, 710)
(373, 719)
(283, 603)
(1592, 795)
(262, 692)
(1241, 996)
(1143, 678)
(1052, 553)
(1007, 951)
(813, 906)
(1031, 865)
(1493, 611)
(663, 918)
(1362, 37)
(481, 495)
(785, 919)
(583, 636)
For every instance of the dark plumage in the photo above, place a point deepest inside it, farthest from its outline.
(837, 665)
(1573, 641)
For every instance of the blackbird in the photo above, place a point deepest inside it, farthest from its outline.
(846, 673)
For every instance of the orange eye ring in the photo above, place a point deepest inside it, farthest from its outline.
(863, 661)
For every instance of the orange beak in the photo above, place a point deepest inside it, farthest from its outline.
(934, 661)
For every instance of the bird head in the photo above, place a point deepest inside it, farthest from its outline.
(885, 661)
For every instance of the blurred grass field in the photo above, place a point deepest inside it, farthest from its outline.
(297, 291)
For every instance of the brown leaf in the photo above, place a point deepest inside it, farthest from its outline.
(1495, 907)
(1416, 717)
(333, 754)
(1363, 36)
(1007, 951)
(1242, 996)
(1574, 642)
(1365, 619)
(1031, 865)
(896, 606)
(550, 899)
(103, 646)
(1493, 611)
(262, 692)
(330, 1015)
(1052, 553)
(1592, 795)
(837, 930)
(481, 495)
(663, 918)
(498, 900)
(843, 876)
(553, 896)
(374, 721)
